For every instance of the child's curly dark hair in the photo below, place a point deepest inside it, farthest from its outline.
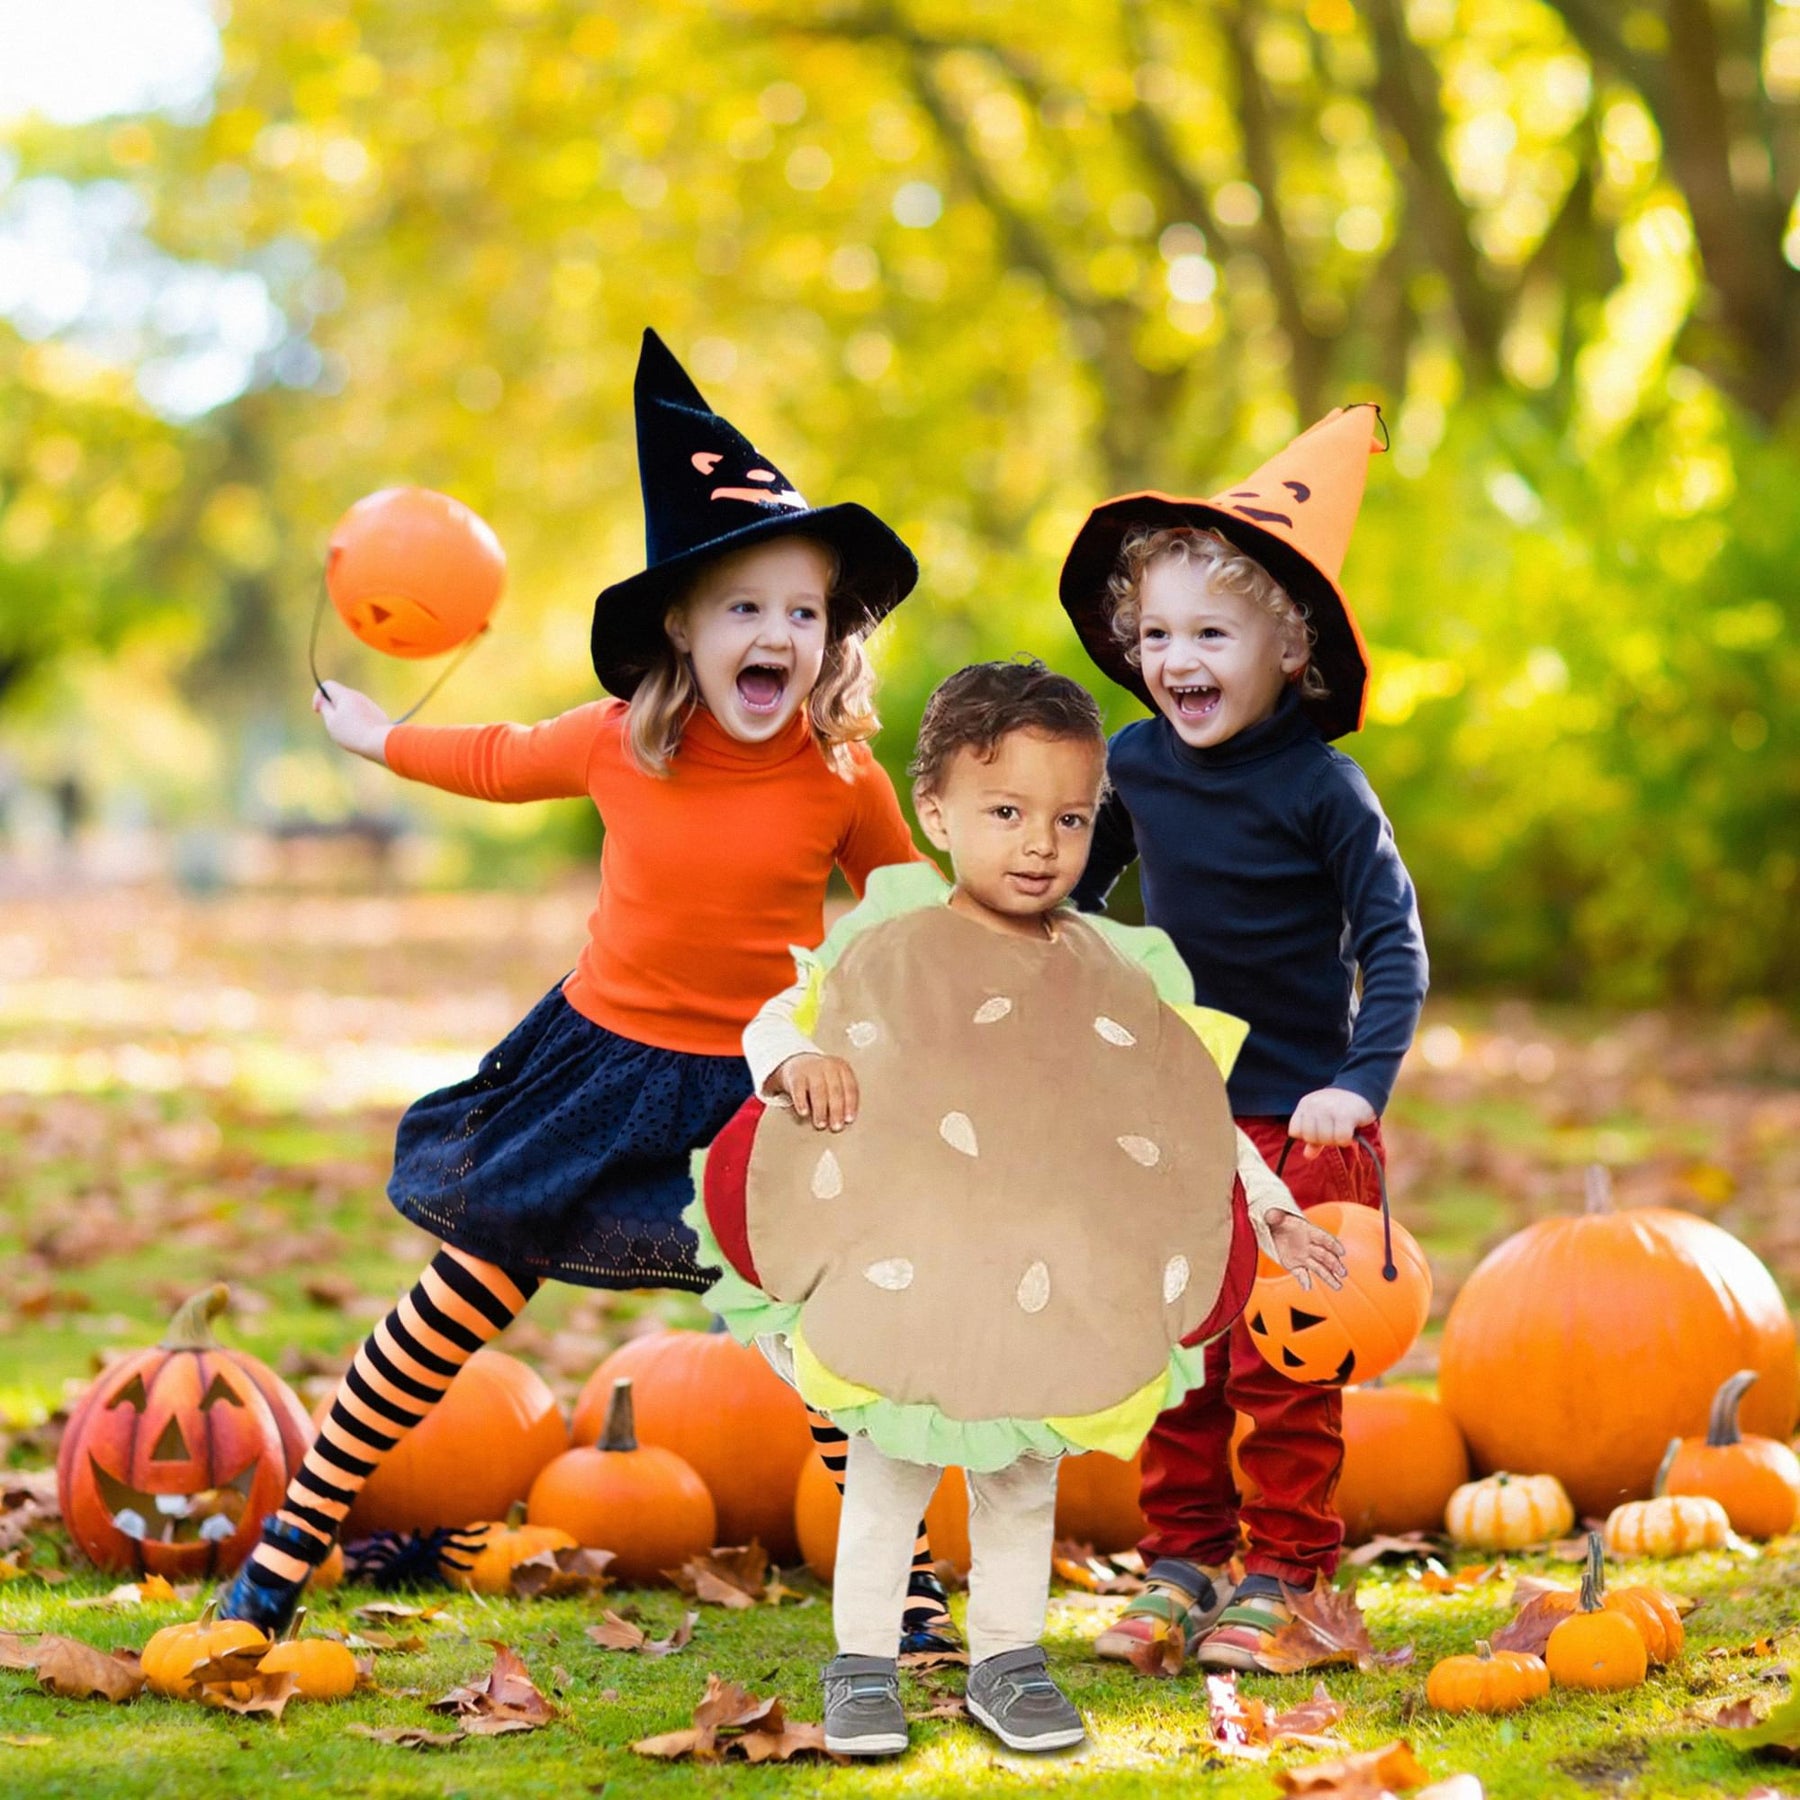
(978, 706)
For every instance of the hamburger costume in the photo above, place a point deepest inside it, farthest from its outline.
(1019, 1248)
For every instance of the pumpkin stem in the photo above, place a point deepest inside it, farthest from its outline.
(515, 1515)
(1599, 1189)
(1667, 1463)
(1593, 1577)
(294, 1624)
(1484, 1650)
(1722, 1425)
(621, 1424)
(191, 1327)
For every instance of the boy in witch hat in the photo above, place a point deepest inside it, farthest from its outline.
(1265, 855)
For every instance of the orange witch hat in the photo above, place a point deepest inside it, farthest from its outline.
(1294, 516)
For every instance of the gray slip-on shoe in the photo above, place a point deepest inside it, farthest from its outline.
(863, 1714)
(1013, 1696)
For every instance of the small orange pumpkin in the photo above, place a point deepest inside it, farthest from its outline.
(1488, 1682)
(1657, 1618)
(322, 1668)
(642, 1503)
(1327, 1337)
(720, 1407)
(818, 1507)
(1596, 1648)
(172, 1654)
(503, 1545)
(1756, 1479)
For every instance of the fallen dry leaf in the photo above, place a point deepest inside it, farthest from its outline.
(732, 1576)
(17, 1652)
(408, 1737)
(260, 1693)
(1327, 1627)
(1162, 1653)
(78, 1671)
(615, 1633)
(1362, 1775)
(153, 1590)
(1434, 1578)
(505, 1699)
(383, 1612)
(1247, 1726)
(732, 1721)
(1080, 1567)
(1762, 1646)
(381, 1640)
(561, 1574)
(1411, 1543)
(1736, 1715)
(1530, 1627)
(926, 1662)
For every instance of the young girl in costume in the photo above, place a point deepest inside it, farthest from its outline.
(732, 773)
(1267, 859)
(995, 1189)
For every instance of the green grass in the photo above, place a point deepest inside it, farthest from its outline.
(1148, 1737)
(154, 1138)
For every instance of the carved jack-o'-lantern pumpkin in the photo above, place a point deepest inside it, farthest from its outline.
(171, 1458)
(414, 573)
(1327, 1337)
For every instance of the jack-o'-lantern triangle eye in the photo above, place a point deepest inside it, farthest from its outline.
(1304, 1321)
(131, 1394)
(221, 1389)
(171, 1446)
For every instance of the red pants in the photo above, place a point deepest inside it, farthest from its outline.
(1295, 1446)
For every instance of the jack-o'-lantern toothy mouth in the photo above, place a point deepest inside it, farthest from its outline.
(206, 1517)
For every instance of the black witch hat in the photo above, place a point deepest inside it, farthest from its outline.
(708, 492)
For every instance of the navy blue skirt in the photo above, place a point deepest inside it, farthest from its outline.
(566, 1154)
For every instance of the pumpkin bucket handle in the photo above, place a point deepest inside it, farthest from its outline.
(1389, 1268)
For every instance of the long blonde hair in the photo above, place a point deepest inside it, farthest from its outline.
(840, 708)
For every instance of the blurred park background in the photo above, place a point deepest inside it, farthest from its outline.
(976, 263)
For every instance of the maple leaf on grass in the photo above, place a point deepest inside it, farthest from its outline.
(1434, 1578)
(261, 1693)
(616, 1633)
(505, 1699)
(78, 1671)
(561, 1574)
(1362, 1775)
(1530, 1627)
(1247, 1726)
(1327, 1627)
(732, 1721)
(734, 1576)
(408, 1737)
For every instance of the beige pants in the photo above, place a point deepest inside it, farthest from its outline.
(1012, 1524)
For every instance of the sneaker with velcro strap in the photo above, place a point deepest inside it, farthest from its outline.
(1013, 1696)
(863, 1714)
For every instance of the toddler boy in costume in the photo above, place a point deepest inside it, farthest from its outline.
(1266, 857)
(995, 1186)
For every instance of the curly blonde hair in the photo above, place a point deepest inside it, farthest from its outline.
(840, 708)
(1222, 565)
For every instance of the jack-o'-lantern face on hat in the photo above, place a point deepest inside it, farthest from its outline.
(1295, 516)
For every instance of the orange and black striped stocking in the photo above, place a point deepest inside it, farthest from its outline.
(924, 1592)
(404, 1368)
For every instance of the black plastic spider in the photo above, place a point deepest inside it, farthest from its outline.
(391, 1560)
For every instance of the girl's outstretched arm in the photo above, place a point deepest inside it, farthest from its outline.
(505, 762)
(353, 721)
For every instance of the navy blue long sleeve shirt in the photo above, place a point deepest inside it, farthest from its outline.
(1269, 861)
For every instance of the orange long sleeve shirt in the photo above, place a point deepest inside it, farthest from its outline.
(706, 877)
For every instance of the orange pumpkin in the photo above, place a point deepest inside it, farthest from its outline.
(1756, 1479)
(720, 1407)
(1097, 1501)
(642, 1503)
(172, 1457)
(172, 1654)
(477, 1452)
(1403, 1459)
(322, 1668)
(1657, 1618)
(818, 1507)
(1328, 1337)
(414, 573)
(1595, 1647)
(502, 1545)
(1488, 1682)
(1650, 1308)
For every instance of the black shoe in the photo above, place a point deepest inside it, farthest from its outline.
(262, 1598)
(927, 1632)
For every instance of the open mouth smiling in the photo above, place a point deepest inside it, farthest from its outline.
(1196, 701)
(761, 686)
